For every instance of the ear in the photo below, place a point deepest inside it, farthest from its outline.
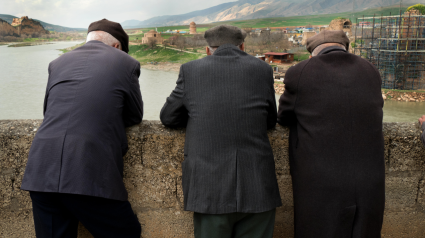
(116, 45)
(242, 47)
(208, 51)
(310, 56)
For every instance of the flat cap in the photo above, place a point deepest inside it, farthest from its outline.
(113, 28)
(327, 37)
(224, 34)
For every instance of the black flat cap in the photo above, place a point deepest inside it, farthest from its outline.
(113, 28)
(225, 34)
(327, 37)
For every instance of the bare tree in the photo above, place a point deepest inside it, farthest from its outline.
(152, 43)
(181, 43)
(165, 43)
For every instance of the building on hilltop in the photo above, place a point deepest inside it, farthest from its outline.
(395, 44)
(152, 35)
(193, 28)
(18, 21)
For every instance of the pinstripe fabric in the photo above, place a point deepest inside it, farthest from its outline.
(423, 133)
(92, 94)
(227, 103)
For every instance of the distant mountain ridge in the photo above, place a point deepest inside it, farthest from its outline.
(47, 26)
(252, 9)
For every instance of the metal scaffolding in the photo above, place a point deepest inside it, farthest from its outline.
(396, 46)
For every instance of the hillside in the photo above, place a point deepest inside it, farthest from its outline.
(324, 19)
(47, 26)
(255, 9)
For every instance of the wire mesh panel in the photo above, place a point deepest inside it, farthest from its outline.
(396, 46)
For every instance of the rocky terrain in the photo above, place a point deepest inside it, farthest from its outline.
(253, 9)
(386, 94)
(47, 26)
(28, 27)
(404, 96)
(7, 30)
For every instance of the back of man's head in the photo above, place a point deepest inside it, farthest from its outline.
(114, 33)
(325, 39)
(224, 34)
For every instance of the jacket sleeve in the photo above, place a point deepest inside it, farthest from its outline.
(133, 105)
(174, 113)
(286, 114)
(423, 133)
(272, 109)
(47, 93)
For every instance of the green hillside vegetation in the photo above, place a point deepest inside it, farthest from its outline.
(138, 37)
(144, 54)
(419, 7)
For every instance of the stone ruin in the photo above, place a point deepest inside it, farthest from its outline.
(18, 21)
(152, 35)
(341, 24)
(193, 28)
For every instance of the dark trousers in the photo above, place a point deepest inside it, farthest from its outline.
(235, 225)
(56, 215)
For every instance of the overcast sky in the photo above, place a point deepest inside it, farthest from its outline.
(80, 13)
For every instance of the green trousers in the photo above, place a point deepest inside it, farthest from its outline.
(234, 225)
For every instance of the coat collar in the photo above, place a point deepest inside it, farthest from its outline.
(226, 50)
(330, 49)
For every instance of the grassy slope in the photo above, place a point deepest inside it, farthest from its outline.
(144, 54)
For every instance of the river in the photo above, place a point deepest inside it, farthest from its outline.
(23, 78)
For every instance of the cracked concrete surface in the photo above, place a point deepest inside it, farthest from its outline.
(152, 175)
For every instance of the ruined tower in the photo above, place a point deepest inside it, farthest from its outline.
(18, 21)
(193, 28)
(341, 24)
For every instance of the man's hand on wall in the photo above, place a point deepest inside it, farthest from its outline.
(422, 119)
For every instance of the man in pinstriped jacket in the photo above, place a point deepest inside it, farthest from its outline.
(227, 102)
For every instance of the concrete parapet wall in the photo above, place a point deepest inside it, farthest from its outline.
(152, 175)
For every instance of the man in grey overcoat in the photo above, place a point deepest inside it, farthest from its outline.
(421, 121)
(227, 103)
(333, 106)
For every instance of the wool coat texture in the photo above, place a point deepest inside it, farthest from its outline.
(333, 106)
(423, 133)
(92, 94)
(227, 102)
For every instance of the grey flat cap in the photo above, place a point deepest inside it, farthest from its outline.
(327, 37)
(225, 34)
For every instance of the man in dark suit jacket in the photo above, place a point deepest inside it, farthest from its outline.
(333, 106)
(75, 166)
(421, 121)
(227, 102)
